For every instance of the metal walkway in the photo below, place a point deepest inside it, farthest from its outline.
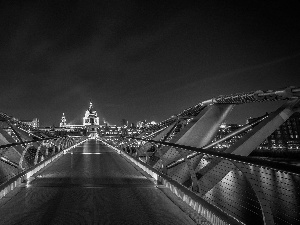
(90, 185)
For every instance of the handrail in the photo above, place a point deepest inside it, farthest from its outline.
(12, 183)
(26, 142)
(193, 198)
(227, 137)
(231, 157)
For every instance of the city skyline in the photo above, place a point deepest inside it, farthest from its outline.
(143, 60)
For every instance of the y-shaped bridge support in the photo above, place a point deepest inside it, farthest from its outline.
(204, 129)
(215, 171)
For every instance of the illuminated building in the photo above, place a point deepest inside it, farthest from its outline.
(63, 122)
(91, 125)
(141, 124)
(285, 138)
(33, 123)
(223, 131)
(283, 141)
(90, 117)
(90, 121)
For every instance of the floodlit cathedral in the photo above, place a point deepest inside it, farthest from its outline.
(91, 124)
(90, 120)
(90, 117)
(63, 122)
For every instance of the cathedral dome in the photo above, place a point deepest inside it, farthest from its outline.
(90, 117)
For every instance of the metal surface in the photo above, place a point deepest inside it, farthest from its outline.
(95, 185)
(230, 135)
(238, 98)
(91, 185)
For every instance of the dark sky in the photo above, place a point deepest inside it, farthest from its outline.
(142, 59)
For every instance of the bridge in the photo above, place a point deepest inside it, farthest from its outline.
(168, 173)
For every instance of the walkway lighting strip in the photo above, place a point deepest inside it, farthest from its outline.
(12, 183)
(29, 132)
(4, 159)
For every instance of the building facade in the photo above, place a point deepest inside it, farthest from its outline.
(284, 141)
(91, 120)
(285, 138)
(90, 125)
(63, 122)
(223, 131)
(34, 123)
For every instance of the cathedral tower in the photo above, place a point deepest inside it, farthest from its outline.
(63, 122)
(91, 120)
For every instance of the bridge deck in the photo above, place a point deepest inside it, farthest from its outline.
(94, 185)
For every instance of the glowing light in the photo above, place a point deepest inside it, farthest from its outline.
(90, 153)
(223, 125)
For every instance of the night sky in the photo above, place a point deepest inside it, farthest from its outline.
(142, 59)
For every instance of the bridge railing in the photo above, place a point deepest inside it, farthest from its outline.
(227, 178)
(17, 174)
(208, 211)
(260, 174)
(25, 127)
